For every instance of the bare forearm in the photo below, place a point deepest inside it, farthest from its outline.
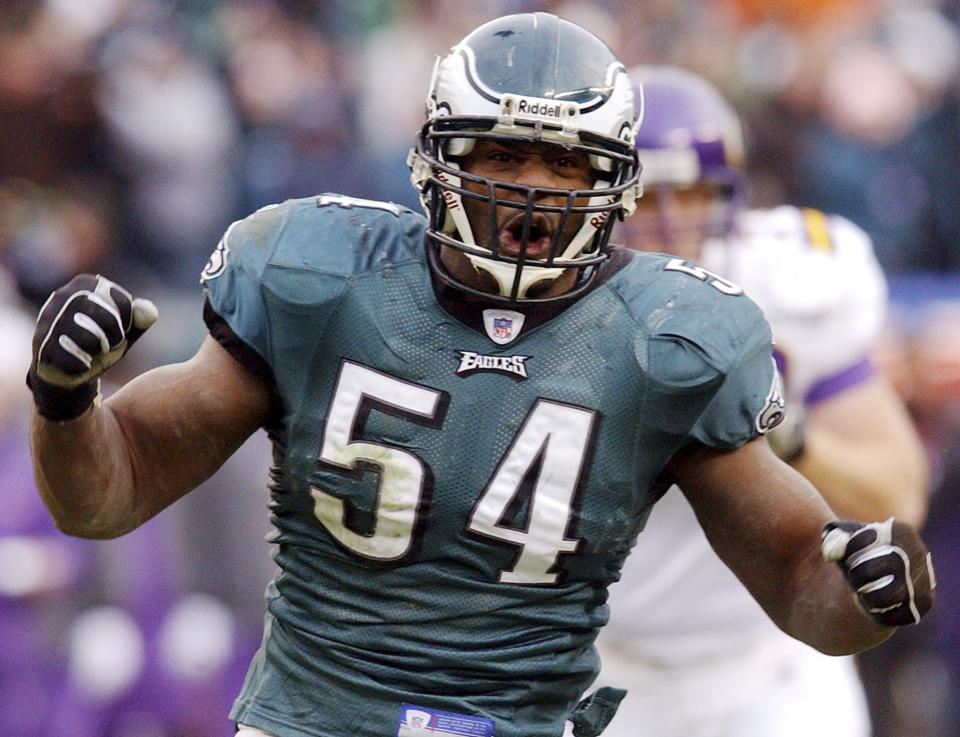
(821, 610)
(83, 473)
(104, 470)
(765, 520)
(117, 465)
(873, 481)
(804, 595)
(864, 455)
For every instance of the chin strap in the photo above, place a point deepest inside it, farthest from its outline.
(592, 715)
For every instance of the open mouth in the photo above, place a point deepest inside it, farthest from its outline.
(539, 237)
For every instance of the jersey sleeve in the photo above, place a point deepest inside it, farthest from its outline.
(233, 276)
(713, 351)
(278, 275)
(743, 397)
(748, 403)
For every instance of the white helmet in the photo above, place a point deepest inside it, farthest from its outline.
(529, 77)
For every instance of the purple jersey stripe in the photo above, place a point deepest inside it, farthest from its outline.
(836, 383)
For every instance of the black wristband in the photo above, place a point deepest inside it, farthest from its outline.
(58, 404)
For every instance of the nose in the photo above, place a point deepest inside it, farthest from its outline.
(662, 223)
(534, 172)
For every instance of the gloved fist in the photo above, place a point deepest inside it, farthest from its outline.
(83, 329)
(887, 565)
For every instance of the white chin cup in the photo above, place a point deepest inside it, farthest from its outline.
(505, 273)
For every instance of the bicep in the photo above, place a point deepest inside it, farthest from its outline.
(183, 421)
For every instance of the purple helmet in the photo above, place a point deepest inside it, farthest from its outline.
(689, 134)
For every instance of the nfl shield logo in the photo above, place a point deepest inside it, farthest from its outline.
(418, 719)
(502, 327)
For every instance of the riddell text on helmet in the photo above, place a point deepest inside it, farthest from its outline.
(539, 108)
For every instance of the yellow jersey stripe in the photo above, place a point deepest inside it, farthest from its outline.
(818, 230)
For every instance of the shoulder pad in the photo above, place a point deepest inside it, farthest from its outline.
(678, 301)
(705, 348)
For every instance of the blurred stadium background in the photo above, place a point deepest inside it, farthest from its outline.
(132, 132)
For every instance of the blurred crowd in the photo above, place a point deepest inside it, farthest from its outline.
(132, 132)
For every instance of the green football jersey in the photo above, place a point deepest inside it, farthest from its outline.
(453, 489)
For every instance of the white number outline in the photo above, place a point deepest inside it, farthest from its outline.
(347, 201)
(404, 482)
(714, 280)
(556, 440)
(553, 448)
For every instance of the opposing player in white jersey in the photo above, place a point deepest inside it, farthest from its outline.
(697, 654)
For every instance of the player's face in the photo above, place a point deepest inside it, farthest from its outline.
(671, 220)
(533, 165)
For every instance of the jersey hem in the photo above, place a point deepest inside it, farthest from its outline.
(251, 715)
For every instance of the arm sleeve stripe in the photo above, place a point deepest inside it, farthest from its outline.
(831, 385)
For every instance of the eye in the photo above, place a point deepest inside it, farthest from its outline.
(572, 167)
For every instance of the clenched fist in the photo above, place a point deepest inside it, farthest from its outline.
(886, 564)
(83, 329)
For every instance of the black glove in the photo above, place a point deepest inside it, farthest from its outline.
(82, 330)
(887, 565)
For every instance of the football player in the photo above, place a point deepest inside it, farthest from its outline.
(682, 626)
(472, 414)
